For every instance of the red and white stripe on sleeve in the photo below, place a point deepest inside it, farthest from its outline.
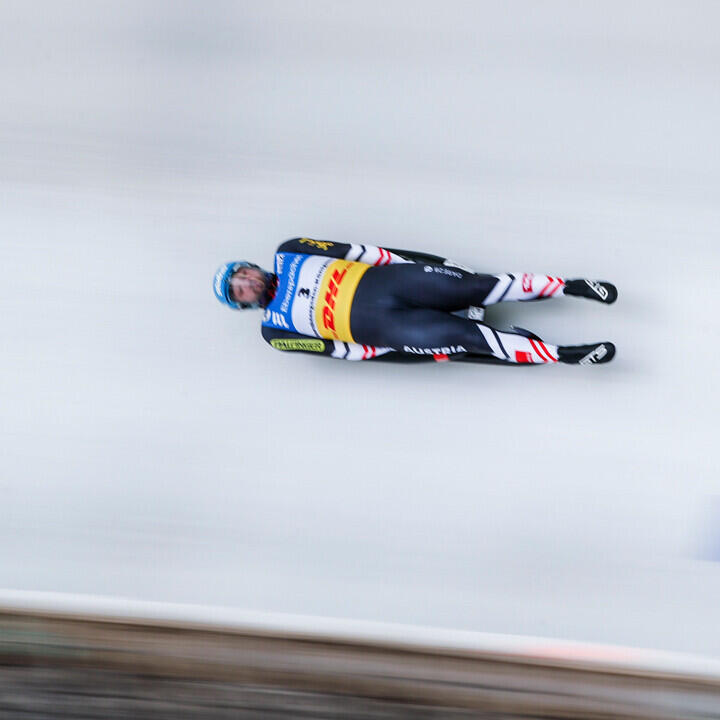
(373, 255)
(357, 351)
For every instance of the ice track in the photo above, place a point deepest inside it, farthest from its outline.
(155, 447)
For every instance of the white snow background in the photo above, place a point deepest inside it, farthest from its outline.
(154, 447)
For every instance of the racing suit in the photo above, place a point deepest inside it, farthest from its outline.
(363, 302)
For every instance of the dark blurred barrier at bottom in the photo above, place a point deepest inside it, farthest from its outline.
(55, 666)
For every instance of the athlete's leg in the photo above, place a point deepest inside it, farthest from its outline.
(526, 286)
(523, 287)
(435, 287)
(433, 332)
(447, 288)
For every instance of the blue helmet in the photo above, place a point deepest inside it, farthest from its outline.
(221, 284)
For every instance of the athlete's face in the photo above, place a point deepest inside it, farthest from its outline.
(247, 285)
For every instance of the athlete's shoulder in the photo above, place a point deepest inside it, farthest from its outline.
(309, 246)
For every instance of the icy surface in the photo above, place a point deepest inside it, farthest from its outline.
(153, 446)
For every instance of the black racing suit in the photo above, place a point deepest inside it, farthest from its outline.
(403, 309)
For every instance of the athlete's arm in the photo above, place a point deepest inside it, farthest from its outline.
(418, 257)
(295, 342)
(423, 257)
(369, 254)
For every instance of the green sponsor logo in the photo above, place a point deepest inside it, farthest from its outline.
(308, 344)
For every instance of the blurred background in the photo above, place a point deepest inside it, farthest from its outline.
(156, 449)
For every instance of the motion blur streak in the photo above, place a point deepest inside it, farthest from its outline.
(127, 665)
(155, 447)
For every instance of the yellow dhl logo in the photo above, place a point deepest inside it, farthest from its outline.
(337, 289)
(332, 291)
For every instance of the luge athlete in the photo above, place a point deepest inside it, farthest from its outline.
(362, 302)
